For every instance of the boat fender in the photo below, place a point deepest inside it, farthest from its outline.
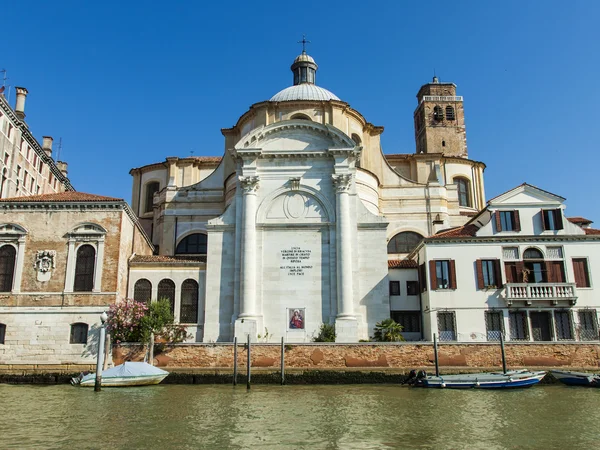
(443, 385)
(477, 384)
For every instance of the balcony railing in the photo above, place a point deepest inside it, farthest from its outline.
(535, 292)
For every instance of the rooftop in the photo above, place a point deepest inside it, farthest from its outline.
(68, 196)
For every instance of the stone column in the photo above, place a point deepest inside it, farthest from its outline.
(248, 299)
(346, 324)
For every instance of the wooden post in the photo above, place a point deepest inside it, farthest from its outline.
(435, 356)
(282, 362)
(248, 374)
(235, 361)
(503, 353)
(151, 350)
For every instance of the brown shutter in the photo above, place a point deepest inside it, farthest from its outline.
(581, 275)
(422, 278)
(549, 272)
(498, 221)
(519, 265)
(544, 224)
(498, 273)
(479, 270)
(558, 219)
(452, 274)
(432, 275)
(517, 221)
(510, 269)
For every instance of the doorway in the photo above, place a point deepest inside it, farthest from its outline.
(540, 326)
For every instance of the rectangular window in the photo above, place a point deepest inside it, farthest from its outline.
(562, 323)
(423, 277)
(412, 288)
(494, 325)
(510, 253)
(447, 326)
(31, 184)
(394, 288)
(519, 329)
(6, 157)
(508, 221)
(552, 219)
(582, 275)
(554, 253)
(588, 325)
(18, 171)
(41, 166)
(489, 272)
(2, 333)
(442, 273)
(409, 320)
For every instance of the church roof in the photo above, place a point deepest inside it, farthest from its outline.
(304, 91)
(402, 264)
(69, 196)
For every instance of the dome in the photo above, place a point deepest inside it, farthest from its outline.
(304, 91)
(304, 57)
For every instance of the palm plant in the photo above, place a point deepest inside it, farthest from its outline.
(388, 331)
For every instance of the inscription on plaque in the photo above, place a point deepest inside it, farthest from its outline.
(296, 261)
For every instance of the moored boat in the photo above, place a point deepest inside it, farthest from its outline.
(487, 380)
(127, 374)
(577, 378)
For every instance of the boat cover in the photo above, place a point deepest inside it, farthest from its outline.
(129, 369)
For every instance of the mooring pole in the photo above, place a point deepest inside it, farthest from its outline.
(282, 362)
(435, 356)
(503, 353)
(248, 366)
(99, 361)
(235, 361)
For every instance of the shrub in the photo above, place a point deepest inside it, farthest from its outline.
(326, 333)
(388, 331)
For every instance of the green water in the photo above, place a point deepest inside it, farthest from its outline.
(298, 417)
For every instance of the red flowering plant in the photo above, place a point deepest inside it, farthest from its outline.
(125, 321)
(131, 321)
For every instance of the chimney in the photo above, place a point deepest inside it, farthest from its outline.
(62, 166)
(47, 145)
(20, 105)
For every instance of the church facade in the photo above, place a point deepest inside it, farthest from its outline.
(302, 214)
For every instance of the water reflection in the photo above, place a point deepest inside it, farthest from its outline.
(321, 417)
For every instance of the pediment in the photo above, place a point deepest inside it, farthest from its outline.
(294, 136)
(525, 195)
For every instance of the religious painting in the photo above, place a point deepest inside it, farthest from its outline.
(296, 318)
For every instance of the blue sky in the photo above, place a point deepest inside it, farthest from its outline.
(129, 83)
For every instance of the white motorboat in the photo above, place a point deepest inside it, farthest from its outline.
(127, 374)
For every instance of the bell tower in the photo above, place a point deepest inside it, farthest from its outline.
(440, 120)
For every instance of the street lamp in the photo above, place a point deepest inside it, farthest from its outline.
(99, 361)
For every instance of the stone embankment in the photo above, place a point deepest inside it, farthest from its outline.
(326, 363)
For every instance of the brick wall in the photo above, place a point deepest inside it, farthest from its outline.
(400, 356)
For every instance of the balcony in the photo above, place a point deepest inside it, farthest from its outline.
(540, 292)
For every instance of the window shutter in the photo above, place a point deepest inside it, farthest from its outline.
(510, 270)
(517, 221)
(498, 273)
(432, 275)
(479, 268)
(549, 272)
(520, 266)
(422, 278)
(544, 223)
(581, 274)
(452, 274)
(558, 219)
(498, 221)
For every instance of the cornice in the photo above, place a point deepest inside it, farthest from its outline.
(511, 239)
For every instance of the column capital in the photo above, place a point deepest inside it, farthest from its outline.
(249, 184)
(342, 183)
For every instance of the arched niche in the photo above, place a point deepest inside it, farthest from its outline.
(302, 205)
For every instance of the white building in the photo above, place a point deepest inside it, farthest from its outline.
(520, 267)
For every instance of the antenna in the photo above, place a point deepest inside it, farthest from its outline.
(59, 149)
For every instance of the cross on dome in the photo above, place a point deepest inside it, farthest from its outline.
(304, 42)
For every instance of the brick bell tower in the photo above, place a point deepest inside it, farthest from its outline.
(440, 120)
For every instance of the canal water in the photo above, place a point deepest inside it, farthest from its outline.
(298, 417)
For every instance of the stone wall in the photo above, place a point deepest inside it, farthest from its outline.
(393, 356)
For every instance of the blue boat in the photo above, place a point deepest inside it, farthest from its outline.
(487, 380)
(577, 378)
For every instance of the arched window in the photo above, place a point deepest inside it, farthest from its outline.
(464, 193)
(300, 117)
(151, 189)
(449, 113)
(194, 244)
(79, 333)
(189, 302)
(2, 333)
(84, 269)
(166, 289)
(404, 242)
(142, 291)
(356, 138)
(438, 113)
(534, 267)
(8, 256)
